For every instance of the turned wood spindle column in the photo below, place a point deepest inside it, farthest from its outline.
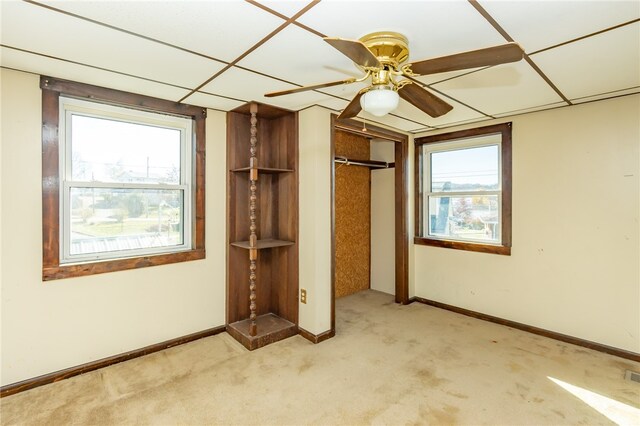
(253, 238)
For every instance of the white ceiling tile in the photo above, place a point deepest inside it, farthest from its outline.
(608, 95)
(434, 28)
(333, 104)
(301, 57)
(346, 91)
(540, 24)
(440, 77)
(56, 68)
(388, 120)
(599, 64)
(458, 113)
(463, 122)
(240, 84)
(286, 7)
(213, 101)
(501, 88)
(208, 27)
(534, 109)
(62, 36)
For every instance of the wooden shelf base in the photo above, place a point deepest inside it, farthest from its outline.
(264, 244)
(271, 328)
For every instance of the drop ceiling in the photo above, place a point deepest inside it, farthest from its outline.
(222, 54)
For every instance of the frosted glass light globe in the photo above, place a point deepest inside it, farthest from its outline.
(379, 101)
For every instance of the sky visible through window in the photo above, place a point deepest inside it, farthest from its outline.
(116, 151)
(465, 169)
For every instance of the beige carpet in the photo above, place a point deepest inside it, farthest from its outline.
(388, 364)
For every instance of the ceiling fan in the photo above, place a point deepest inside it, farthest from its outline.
(382, 56)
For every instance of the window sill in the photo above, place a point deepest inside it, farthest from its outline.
(457, 245)
(92, 268)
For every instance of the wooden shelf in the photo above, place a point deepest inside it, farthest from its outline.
(264, 244)
(263, 204)
(271, 328)
(262, 170)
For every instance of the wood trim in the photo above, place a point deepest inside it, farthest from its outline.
(622, 353)
(458, 245)
(104, 362)
(401, 168)
(505, 129)
(79, 270)
(52, 88)
(355, 126)
(401, 185)
(316, 338)
(113, 96)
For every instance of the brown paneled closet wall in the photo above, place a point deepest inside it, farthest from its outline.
(352, 216)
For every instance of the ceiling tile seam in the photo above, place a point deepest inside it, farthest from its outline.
(507, 37)
(285, 17)
(608, 98)
(285, 81)
(462, 122)
(615, 27)
(610, 92)
(94, 67)
(368, 121)
(193, 52)
(447, 96)
(122, 30)
(220, 96)
(461, 75)
(254, 47)
(408, 119)
(528, 109)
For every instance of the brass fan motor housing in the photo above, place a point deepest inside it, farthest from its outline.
(390, 48)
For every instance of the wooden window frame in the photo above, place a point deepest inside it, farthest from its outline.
(504, 248)
(52, 89)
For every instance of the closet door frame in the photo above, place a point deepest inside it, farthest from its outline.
(401, 142)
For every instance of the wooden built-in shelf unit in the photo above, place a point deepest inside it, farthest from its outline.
(262, 224)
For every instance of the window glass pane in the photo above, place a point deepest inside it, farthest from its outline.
(471, 169)
(474, 218)
(109, 219)
(115, 151)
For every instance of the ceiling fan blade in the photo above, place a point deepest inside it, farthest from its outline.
(510, 52)
(355, 50)
(424, 100)
(305, 88)
(353, 108)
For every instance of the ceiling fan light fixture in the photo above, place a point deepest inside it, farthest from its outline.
(380, 100)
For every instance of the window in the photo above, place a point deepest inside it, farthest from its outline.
(123, 180)
(463, 195)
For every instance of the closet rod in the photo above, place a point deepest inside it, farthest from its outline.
(367, 163)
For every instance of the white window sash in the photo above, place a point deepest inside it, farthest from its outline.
(70, 106)
(455, 145)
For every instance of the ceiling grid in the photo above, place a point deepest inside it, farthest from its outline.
(215, 54)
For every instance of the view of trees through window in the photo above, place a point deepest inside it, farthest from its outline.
(107, 219)
(124, 191)
(463, 201)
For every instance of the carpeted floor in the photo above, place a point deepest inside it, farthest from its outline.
(388, 364)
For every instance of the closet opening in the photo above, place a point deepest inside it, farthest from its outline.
(369, 211)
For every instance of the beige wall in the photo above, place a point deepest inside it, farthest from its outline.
(575, 263)
(48, 326)
(315, 218)
(575, 266)
(383, 231)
